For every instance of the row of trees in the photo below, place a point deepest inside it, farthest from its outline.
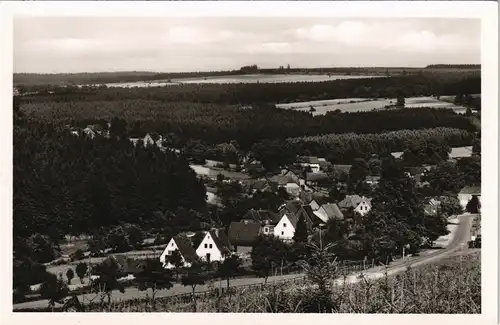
(214, 124)
(248, 93)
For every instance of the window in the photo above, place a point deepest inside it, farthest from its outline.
(172, 245)
(210, 245)
(206, 246)
(284, 225)
(169, 252)
(282, 233)
(266, 229)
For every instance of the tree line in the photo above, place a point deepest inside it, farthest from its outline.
(249, 93)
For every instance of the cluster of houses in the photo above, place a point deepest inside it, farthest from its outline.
(243, 234)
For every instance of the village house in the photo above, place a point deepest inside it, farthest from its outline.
(361, 205)
(311, 162)
(316, 179)
(329, 211)
(185, 248)
(243, 235)
(290, 213)
(266, 218)
(466, 194)
(214, 246)
(291, 186)
(313, 199)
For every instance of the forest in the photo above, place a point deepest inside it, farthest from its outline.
(251, 93)
(213, 123)
(65, 184)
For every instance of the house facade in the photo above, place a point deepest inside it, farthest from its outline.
(213, 247)
(243, 235)
(361, 205)
(285, 229)
(185, 248)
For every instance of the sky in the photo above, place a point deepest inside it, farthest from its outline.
(175, 44)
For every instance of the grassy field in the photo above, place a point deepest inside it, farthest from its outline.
(251, 78)
(453, 286)
(368, 104)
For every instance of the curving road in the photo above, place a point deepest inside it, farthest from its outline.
(458, 244)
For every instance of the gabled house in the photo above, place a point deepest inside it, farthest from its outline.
(291, 186)
(285, 228)
(361, 205)
(466, 194)
(214, 246)
(329, 211)
(313, 199)
(148, 140)
(185, 248)
(243, 235)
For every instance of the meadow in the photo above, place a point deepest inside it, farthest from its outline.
(235, 79)
(345, 105)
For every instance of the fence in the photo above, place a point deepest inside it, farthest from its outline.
(217, 292)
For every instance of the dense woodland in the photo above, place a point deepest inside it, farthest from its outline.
(250, 93)
(214, 124)
(66, 184)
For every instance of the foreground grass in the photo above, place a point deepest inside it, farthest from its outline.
(451, 287)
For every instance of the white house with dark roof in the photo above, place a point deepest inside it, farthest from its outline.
(285, 229)
(214, 246)
(185, 248)
(361, 205)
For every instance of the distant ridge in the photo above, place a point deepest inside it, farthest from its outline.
(453, 66)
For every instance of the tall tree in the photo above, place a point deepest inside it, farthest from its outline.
(474, 205)
(300, 235)
(70, 274)
(177, 261)
(229, 267)
(196, 275)
(155, 277)
(107, 281)
(81, 271)
(359, 170)
(54, 289)
(266, 253)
